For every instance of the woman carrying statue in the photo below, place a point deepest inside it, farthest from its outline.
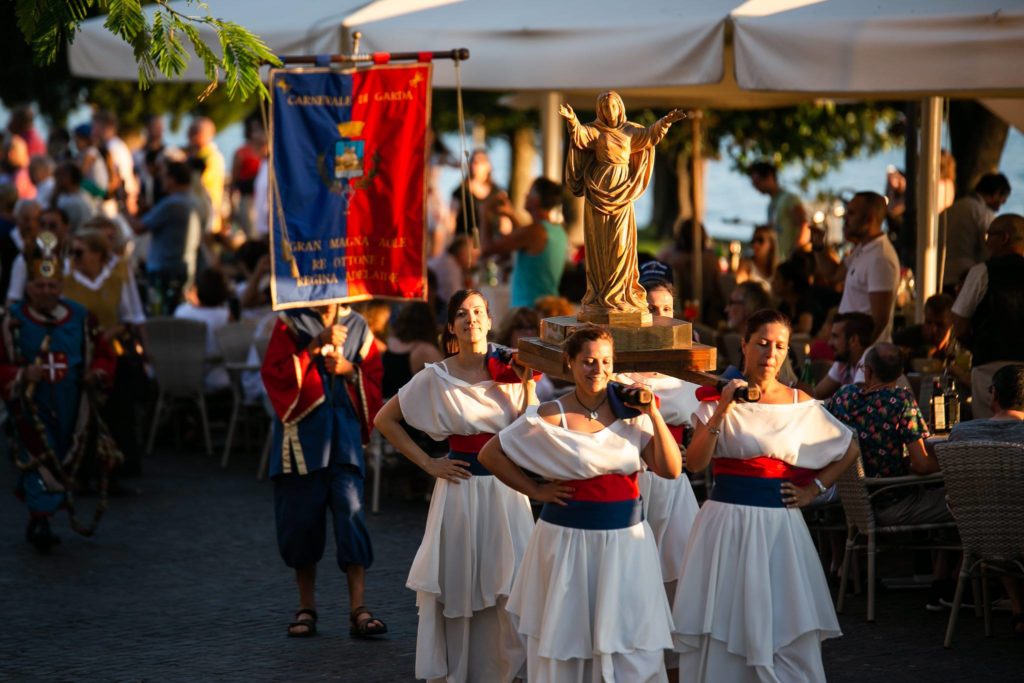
(669, 504)
(589, 596)
(610, 163)
(753, 603)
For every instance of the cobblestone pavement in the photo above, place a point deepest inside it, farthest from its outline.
(183, 583)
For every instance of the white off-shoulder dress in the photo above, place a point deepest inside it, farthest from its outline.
(474, 540)
(588, 600)
(753, 603)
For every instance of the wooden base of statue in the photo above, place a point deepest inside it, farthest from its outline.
(664, 345)
(601, 316)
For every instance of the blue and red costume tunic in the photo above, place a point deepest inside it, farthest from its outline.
(66, 344)
(317, 450)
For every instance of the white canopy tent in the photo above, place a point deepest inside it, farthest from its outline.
(896, 47)
(711, 53)
(736, 54)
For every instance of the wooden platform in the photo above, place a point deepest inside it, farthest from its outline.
(658, 335)
(692, 364)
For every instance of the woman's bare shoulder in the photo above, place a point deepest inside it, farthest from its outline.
(549, 412)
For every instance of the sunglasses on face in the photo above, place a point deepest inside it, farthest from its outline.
(758, 240)
(77, 253)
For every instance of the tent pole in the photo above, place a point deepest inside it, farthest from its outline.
(928, 203)
(551, 135)
(697, 201)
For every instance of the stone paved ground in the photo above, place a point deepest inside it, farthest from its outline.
(183, 583)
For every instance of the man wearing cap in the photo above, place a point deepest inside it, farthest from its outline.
(51, 350)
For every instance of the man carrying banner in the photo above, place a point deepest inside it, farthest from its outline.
(51, 351)
(323, 375)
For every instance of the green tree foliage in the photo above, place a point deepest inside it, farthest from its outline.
(158, 44)
(179, 100)
(817, 137)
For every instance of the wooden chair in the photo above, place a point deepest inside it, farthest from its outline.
(985, 490)
(860, 521)
(177, 354)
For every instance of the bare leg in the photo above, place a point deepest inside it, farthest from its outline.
(356, 577)
(305, 579)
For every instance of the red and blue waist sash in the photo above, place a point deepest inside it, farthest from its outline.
(467, 448)
(755, 481)
(608, 501)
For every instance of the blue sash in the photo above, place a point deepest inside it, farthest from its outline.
(756, 491)
(476, 468)
(588, 514)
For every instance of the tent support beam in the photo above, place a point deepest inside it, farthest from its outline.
(697, 202)
(551, 135)
(928, 203)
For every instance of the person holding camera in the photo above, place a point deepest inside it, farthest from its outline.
(753, 602)
(588, 597)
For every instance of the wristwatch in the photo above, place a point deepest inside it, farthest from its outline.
(821, 487)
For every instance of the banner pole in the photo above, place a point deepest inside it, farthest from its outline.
(458, 54)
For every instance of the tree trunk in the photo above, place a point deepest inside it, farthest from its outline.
(977, 139)
(671, 192)
(523, 143)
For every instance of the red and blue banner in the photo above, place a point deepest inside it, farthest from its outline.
(347, 184)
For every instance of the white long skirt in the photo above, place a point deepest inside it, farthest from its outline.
(753, 603)
(669, 508)
(475, 538)
(592, 605)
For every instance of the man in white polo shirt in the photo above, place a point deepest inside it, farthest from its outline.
(871, 272)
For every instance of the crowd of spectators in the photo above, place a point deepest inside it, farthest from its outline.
(160, 230)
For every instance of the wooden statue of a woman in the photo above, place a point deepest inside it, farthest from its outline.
(610, 162)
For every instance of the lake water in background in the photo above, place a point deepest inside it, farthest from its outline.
(732, 206)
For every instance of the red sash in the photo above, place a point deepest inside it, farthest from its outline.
(763, 467)
(606, 488)
(469, 443)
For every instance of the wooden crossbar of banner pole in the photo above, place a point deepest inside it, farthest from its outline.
(459, 55)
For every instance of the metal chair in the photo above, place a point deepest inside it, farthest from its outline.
(234, 341)
(177, 354)
(860, 521)
(985, 490)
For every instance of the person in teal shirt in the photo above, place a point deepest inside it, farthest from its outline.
(540, 248)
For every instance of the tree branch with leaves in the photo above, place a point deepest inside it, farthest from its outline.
(158, 43)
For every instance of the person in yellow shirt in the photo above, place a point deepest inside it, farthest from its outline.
(202, 148)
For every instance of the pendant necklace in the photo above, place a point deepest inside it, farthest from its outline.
(591, 412)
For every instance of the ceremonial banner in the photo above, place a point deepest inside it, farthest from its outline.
(347, 184)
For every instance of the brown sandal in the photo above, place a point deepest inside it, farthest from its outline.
(308, 624)
(363, 629)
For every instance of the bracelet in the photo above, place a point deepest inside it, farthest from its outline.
(714, 430)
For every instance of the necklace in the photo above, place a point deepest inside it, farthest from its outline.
(591, 412)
